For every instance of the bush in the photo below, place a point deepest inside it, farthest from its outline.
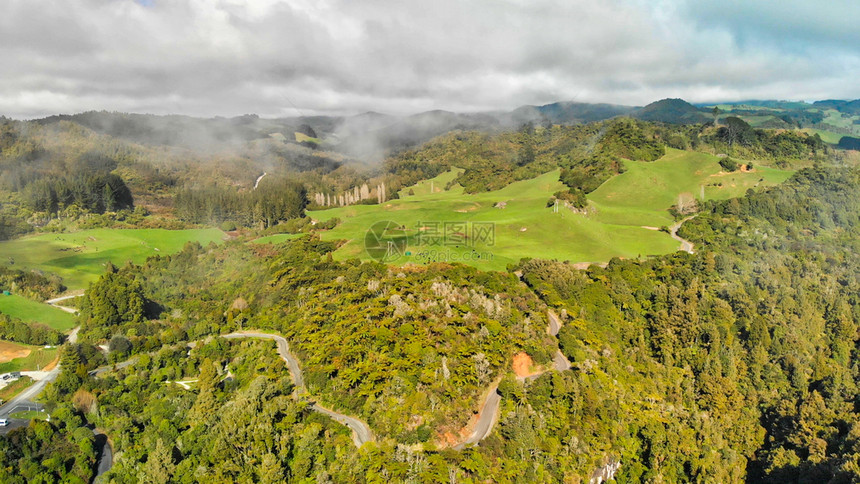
(729, 164)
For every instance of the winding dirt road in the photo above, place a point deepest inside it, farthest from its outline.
(53, 302)
(361, 433)
(487, 418)
(489, 414)
(686, 245)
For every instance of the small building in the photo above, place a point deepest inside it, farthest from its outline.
(7, 293)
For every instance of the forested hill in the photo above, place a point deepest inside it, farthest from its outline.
(734, 364)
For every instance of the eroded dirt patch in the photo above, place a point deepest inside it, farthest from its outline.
(10, 351)
(523, 364)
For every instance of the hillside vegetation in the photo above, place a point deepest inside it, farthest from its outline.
(734, 364)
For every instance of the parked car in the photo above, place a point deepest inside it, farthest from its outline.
(4, 422)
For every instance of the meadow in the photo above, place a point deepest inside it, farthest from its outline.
(826, 136)
(643, 193)
(79, 257)
(620, 222)
(36, 312)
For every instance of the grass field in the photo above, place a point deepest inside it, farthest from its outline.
(526, 227)
(37, 359)
(30, 414)
(36, 312)
(79, 257)
(642, 194)
(835, 118)
(276, 238)
(826, 136)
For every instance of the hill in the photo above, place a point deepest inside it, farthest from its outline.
(675, 111)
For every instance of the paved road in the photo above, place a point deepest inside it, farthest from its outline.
(554, 323)
(105, 460)
(560, 362)
(14, 423)
(26, 397)
(361, 433)
(686, 245)
(489, 414)
(487, 418)
(102, 369)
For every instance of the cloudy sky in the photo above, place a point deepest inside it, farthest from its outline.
(285, 57)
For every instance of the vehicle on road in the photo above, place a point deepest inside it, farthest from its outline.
(4, 422)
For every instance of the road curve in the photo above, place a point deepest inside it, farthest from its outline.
(554, 323)
(361, 433)
(489, 414)
(53, 302)
(487, 418)
(105, 459)
(686, 245)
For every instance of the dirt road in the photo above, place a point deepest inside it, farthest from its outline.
(686, 245)
(361, 433)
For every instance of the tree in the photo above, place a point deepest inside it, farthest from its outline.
(736, 130)
(159, 466)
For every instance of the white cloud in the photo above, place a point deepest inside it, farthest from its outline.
(228, 57)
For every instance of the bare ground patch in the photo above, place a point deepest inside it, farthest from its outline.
(9, 351)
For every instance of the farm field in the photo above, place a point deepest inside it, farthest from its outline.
(79, 257)
(36, 312)
(841, 120)
(616, 226)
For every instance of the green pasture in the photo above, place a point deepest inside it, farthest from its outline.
(79, 257)
(836, 118)
(643, 193)
(615, 225)
(36, 312)
(826, 136)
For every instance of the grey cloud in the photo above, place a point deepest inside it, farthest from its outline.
(229, 57)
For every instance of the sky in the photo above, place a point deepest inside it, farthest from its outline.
(306, 57)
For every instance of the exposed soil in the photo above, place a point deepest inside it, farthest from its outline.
(50, 366)
(10, 351)
(523, 365)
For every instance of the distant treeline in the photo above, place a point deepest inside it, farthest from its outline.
(95, 193)
(273, 201)
(849, 143)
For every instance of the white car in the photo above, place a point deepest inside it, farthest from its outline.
(4, 422)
